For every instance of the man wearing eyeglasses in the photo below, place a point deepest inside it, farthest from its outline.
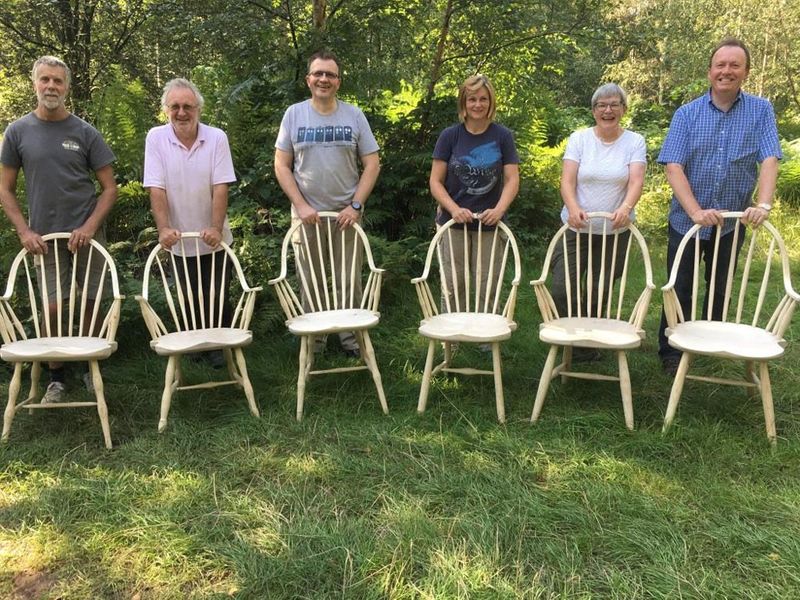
(187, 169)
(718, 147)
(320, 144)
(58, 152)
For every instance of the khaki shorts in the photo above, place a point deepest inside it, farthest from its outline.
(65, 263)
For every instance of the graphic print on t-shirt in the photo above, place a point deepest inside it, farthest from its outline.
(478, 171)
(328, 133)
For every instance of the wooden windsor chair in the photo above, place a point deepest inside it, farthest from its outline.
(329, 291)
(185, 301)
(478, 274)
(601, 305)
(74, 321)
(742, 315)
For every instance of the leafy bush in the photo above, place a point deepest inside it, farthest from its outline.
(789, 182)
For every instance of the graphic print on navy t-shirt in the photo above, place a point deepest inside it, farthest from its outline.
(329, 133)
(478, 171)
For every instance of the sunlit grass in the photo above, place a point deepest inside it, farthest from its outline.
(353, 504)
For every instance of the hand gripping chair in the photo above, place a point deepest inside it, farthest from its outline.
(605, 311)
(752, 309)
(184, 303)
(324, 294)
(74, 329)
(478, 273)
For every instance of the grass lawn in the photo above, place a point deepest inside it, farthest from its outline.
(350, 503)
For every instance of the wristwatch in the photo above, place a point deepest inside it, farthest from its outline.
(766, 206)
(356, 205)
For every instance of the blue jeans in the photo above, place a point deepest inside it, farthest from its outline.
(683, 283)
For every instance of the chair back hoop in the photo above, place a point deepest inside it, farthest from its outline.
(611, 257)
(743, 289)
(473, 265)
(328, 265)
(50, 309)
(194, 289)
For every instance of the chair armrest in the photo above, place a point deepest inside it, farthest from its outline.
(426, 300)
(151, 319)
(544, 299)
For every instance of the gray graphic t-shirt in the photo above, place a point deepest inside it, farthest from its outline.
(326, 149)
(474, 165)
(57, 158)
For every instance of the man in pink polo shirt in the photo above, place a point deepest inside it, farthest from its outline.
(187, 169)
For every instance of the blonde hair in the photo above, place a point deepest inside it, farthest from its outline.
(470, 86)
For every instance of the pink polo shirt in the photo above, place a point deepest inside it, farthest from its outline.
(188, 176)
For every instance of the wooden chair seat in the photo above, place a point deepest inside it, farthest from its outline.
(201, 340)
(58, 349)
(590, 332)
(726, 339)
(467, 327)
(332, 321)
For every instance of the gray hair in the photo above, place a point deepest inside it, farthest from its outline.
(180, 82)
(51, 61)
(606, 91)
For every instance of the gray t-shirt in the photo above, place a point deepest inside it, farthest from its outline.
(57, 158)
(326, 149)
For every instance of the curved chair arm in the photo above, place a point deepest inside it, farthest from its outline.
(426, 301)
(547, 306)
(152, 321)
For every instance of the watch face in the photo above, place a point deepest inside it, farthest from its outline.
(356, 205)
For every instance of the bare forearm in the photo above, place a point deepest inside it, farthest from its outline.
(13, 211)
(369, 176)
(681, 188)
(219, 205)
(160, 208)
(767, 180)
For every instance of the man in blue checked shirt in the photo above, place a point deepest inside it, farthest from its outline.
(712, 154)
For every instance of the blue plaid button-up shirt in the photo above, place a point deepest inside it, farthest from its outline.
(720, 153)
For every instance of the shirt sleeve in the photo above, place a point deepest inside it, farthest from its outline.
(284, 140)
(444, 146)
(223, 163)
(639, 150)
(769, 144)
(9, 155)
(574, 149)
(153, 164)
(508, 148)
(676, 143)
(100, 154)
(367, 144)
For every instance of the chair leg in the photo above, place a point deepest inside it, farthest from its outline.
(368, 355)
(169, 386)
(230, 364)
(498, 382)
(36, 375)
(306, 343)
(566, 359)
(248, 387)
(766, 400)
(426, 378)
(179, 380)
(625, 389)
(544, 381)
(448, 353)
(677, 389)
(13, 392)
(102, 409)
(749, 377)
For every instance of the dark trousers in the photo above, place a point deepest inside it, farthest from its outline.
(683, 283)
(558, 288)
(189, 280)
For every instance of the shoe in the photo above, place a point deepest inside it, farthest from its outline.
(88, 382)
(320, 343)
(486, 348)
(585, 355)
(669, 364)
(55, 393)
(352, 352)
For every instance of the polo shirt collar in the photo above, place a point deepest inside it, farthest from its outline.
(202, 132)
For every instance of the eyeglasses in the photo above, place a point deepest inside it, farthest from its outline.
(185, 107)
(321, 74)
(601, 106)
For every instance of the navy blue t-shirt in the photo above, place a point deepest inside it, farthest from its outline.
(474, 166)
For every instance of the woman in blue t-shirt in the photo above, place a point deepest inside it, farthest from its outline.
(475, 170)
